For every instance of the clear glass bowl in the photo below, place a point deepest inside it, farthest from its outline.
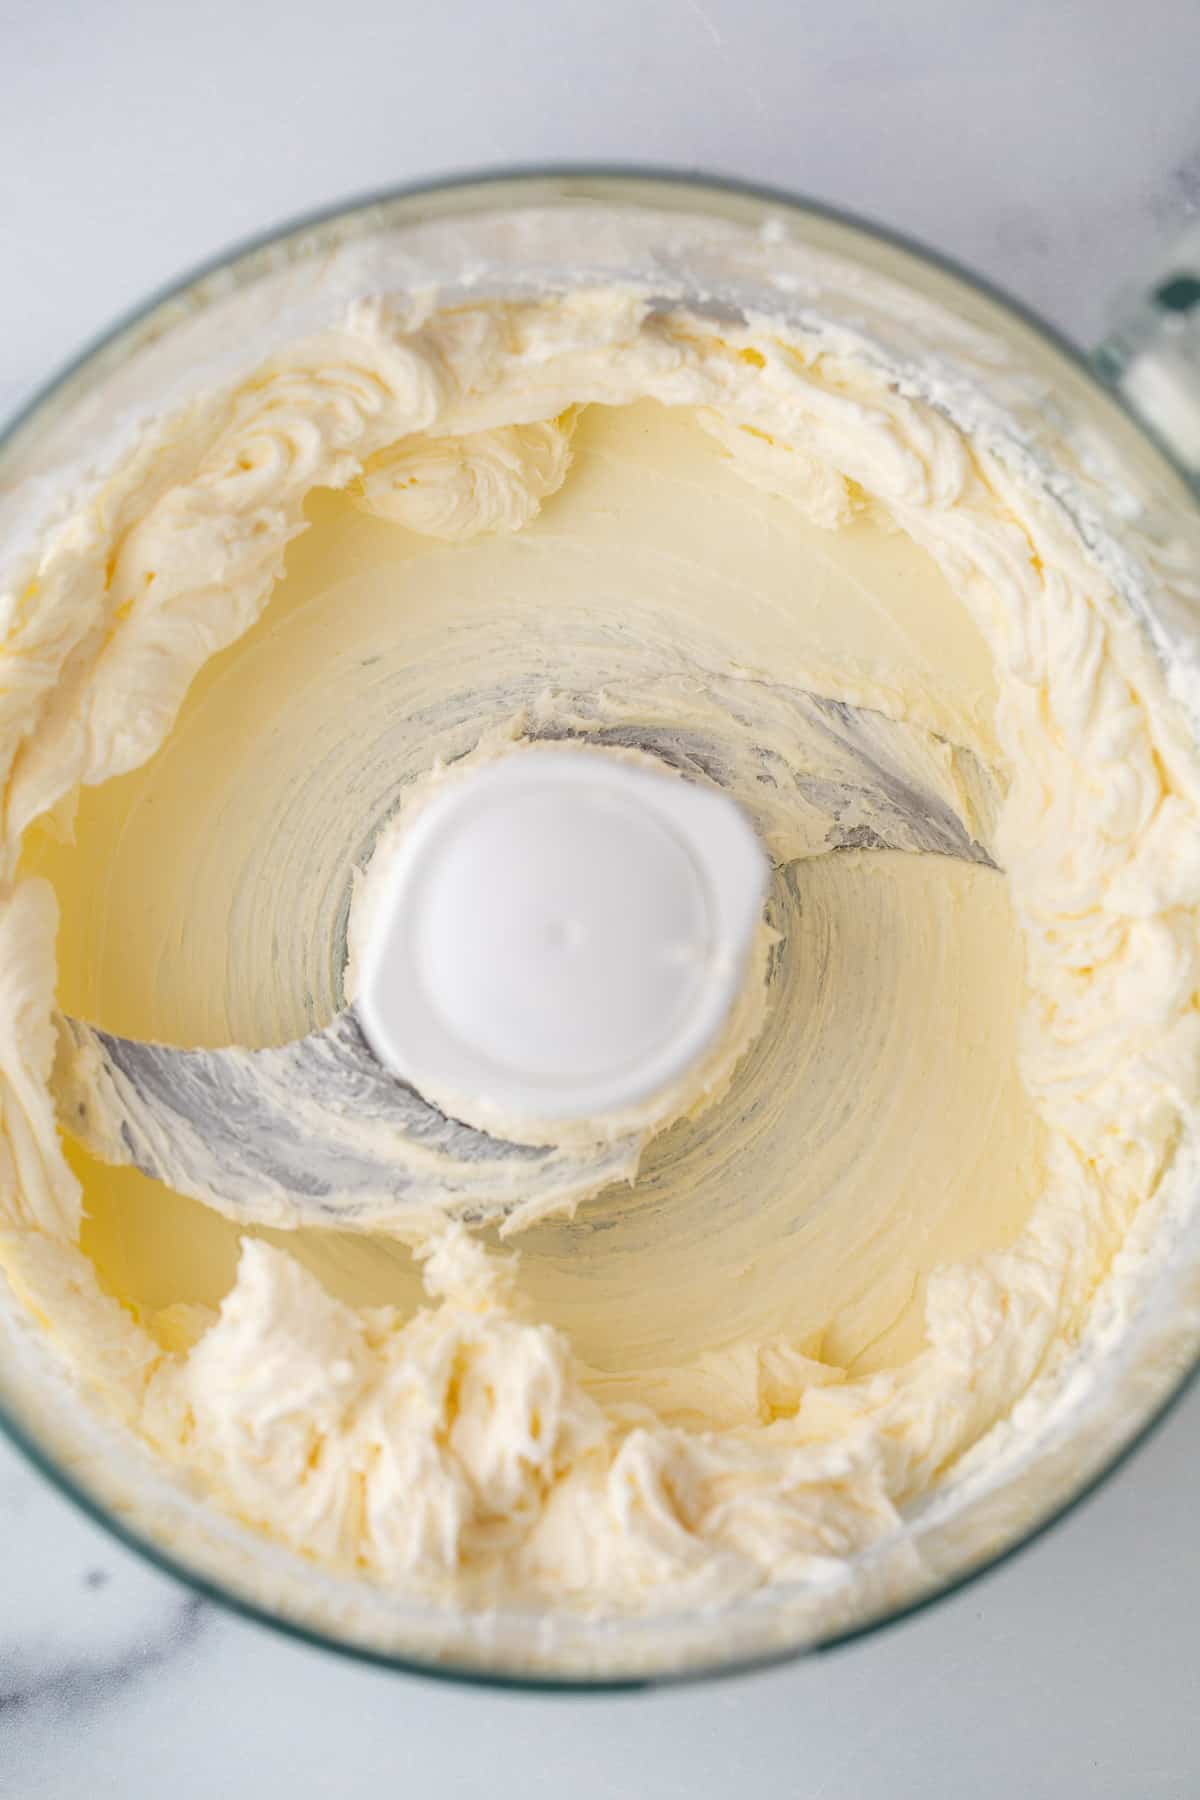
(722, 249)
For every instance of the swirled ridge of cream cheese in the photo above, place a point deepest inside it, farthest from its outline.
(466, 1443)
(456, 487)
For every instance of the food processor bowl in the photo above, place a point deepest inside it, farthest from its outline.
(1116, 439)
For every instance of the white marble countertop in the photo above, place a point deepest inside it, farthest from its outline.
(1053, 146)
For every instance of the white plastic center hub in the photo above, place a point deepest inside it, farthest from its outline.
(563, 934)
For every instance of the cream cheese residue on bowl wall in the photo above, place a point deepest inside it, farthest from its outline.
(753, 554)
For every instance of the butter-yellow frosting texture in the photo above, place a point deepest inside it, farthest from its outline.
(841, 1261)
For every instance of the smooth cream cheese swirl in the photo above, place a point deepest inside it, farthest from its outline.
(468, 1444)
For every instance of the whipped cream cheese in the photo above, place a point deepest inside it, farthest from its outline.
(852, 1254)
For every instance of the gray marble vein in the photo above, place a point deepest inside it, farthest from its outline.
(79, 1684)
(83, 1621)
